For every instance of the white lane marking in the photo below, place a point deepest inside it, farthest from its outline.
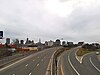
(33, 60)
(26, 65)
(73, 66)
(77, 57)
(81, 57)
(58, 61)
(94, 65)
(58, 64)
(38, 57)
(30, 73)
(48, 68)
(13, 74)
(37, 65)
(16, 62)
(42, 60)
(81, 60)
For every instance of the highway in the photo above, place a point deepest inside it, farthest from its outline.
(69, 65)
(91, 62)
(35, 64)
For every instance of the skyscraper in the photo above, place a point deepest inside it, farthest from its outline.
(7, 40)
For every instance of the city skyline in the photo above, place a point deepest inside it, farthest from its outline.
(51, 19)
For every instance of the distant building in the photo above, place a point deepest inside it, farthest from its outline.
(39, 45)
(16, 41)
(63, 43)
(32, 42)
(97, 45)
(7, 40)
(46, 43)
(21, 41)
(80, 43)
(70, 44)
(57, 42)
(27, 41)
(31, 48)
(2, 45)
(50, 43)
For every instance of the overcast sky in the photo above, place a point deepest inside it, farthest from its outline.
(72, 20)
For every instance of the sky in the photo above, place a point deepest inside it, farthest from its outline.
(72, 20)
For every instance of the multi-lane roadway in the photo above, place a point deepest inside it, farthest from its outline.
(69, 65)
(35, 64)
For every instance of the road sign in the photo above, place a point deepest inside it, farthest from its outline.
(1, 34)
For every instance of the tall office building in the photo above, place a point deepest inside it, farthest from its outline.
(7, 40)
(21, 41)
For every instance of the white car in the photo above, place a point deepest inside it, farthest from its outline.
(97, 53)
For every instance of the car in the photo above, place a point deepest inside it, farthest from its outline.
(97, 53)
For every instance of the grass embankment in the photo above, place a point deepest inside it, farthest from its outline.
(82, 51)
(66, 49)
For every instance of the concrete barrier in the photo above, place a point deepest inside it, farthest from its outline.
(54, 61)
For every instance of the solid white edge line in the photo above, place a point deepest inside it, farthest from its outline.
(41, 59)
(58, 61)
(37, 65)
(30, 73)
(77, 57)
(73, 66)
(48, 68)
(81, 59)
(26, 65)
(94, 65)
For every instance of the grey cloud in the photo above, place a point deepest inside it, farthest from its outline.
(28, 18)
(85, 22)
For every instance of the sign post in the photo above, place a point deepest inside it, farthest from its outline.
(1, 36)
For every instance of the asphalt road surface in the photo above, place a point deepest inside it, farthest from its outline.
(69, 65)
(35, 64)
